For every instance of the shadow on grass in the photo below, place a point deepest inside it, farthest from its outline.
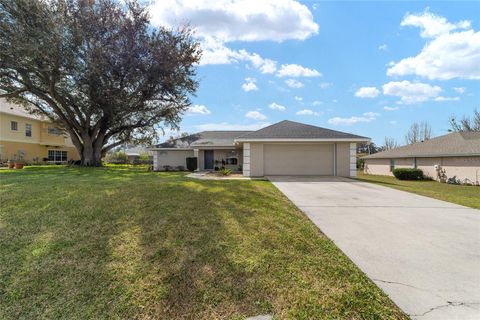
(97, 243)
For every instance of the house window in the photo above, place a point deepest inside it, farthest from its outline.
(54, 131)
(392, 165)
(28, 130)
(232, 161)
(14, 126)
(57, 156)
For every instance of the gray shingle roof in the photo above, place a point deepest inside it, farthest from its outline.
(295, 130)
(204, 138)
(453, 144)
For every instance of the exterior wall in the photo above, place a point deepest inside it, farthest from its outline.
(32, 152)
(377, 166)
(353, 159)
(15, 142)
(172, 158)
(462, 168)
(342, 159)
(256, 159)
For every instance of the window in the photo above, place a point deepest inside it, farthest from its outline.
(54, 131)
(28, 130)
(392, 165)
(233, 161)
(14, 125)
(57, 156)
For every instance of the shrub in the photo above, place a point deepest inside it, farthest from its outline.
(143, 158)
(408, 174)
(192, 163)
(180, 168)
(225, 172)
(118, 157)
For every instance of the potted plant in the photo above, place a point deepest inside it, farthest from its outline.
(19, 163)
(11, 164)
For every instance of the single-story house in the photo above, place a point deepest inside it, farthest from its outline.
(284, 148)
(455, 155)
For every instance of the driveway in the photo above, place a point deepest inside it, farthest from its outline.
(424, 253)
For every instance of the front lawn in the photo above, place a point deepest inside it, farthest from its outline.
(125, 243)
(460, 194)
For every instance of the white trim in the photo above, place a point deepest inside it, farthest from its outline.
(246, 173)
(304, 140)
(334, 159)
(353, 173)
(170, 149)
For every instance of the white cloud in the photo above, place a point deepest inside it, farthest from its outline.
(452, 51)
(383, 47)
(393, 122)
(325, 85)
(460, 90)
(432, 25)
(276, 106)
(443, 99)
(297, 98)
(215, 52)
(292, 83)
(255, 115)
(198, 109)
(249, 85)
(411, 92)
(308, 112)
(316, 103)
(390, 108)
(230, 126)
(238, 20)
(366, 117)
(295, 70)
(367, 92)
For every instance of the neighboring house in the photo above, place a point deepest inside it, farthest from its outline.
(134, 153)
(457, 155)
(31, 138)
(284, 148)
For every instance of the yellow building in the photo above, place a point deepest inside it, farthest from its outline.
(32, 138)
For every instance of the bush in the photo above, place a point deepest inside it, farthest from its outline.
(408, 174)
(118, 157)
(143, 158)
(225, 172)
(192, 163)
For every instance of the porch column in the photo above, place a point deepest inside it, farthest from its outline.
(195, 154)
(246, 159)
(353, 159)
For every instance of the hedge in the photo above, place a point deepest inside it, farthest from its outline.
(408, 174)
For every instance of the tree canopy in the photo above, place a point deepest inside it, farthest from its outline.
(98, 69)
(466, 123)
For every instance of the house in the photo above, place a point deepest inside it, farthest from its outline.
(32, 138)
(455, 155)
(284, 148)
(133, 153)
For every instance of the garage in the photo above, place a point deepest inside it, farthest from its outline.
(299, 159)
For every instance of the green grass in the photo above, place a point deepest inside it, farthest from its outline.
(460, 194)
(121, 243)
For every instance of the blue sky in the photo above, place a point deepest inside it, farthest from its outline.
(370, 68)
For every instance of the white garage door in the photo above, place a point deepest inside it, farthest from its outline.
(298, 159)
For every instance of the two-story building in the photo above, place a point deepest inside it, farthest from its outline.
(32, 138)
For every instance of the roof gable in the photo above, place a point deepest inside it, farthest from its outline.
(294, 130)
(204, 138)
(452, 144)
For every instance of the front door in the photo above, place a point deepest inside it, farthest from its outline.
(208, 159)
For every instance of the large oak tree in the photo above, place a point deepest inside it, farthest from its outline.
(97, 68)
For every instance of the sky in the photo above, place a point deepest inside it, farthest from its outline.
(369, 68)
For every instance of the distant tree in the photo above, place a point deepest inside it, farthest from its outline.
(389, 143)
(418, 132)
(466, 124)
(98, 69)
(367, 148)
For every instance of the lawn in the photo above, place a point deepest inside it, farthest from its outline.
(460, 194)
(120, 243)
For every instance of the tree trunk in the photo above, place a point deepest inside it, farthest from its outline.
(91, 153)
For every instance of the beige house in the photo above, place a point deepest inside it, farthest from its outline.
(455, 155)
(284, 148)
(31, 138)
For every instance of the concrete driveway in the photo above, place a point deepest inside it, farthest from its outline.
(424, 253)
